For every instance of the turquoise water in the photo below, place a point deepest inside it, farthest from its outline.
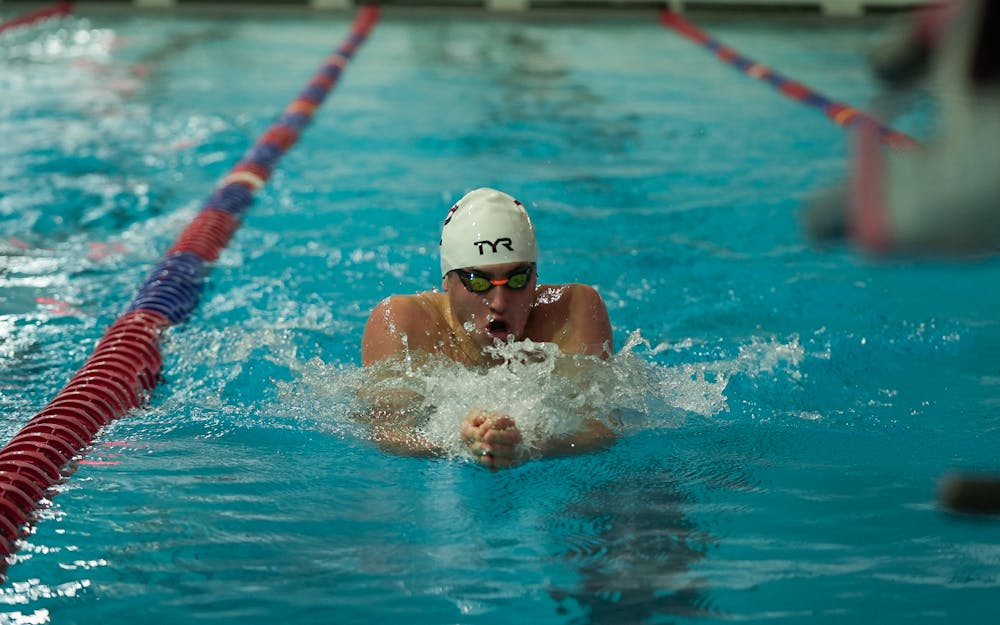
(788, 409)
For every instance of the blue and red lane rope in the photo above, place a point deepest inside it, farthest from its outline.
(57, 9)
(841, 114)
(125, 365)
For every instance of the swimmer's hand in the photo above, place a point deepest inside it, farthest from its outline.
(492, 438)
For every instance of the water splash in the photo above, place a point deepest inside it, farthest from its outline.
(549, 393)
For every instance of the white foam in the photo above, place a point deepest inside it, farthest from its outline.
(548, 393)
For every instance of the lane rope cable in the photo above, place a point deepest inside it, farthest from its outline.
(125, 365)
(840, 114)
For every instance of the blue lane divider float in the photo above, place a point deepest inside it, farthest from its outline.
(126, 363)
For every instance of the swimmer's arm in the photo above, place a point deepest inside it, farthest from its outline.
(587, 332)
(595, 436)
(394, 413)
(404, 442)
(392, 420)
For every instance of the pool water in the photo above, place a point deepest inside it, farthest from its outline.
(787, 410)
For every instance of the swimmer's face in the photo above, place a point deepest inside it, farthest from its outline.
(501, 311)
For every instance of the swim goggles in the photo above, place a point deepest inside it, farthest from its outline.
(476, 282)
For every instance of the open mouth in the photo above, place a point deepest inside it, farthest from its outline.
(497, 326)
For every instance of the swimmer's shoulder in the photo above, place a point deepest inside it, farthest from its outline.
(574, 317)
(402, 323)
(567, 297)
(409, 311)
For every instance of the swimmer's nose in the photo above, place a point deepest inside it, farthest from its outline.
(496, 299)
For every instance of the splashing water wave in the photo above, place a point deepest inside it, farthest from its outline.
(548, 393)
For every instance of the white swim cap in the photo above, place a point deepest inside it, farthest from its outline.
(487, 227)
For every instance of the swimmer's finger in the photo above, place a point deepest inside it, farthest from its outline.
(477, 448)
(480, 449)
(469, 432)
(477, 417)
(501, 421)
(474, 426)
(494, 463)
(502, 437)
(485, 459)
(501, 451)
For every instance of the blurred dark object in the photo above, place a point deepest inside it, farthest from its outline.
(972, 494)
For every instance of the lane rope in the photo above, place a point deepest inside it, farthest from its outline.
(125, 366)
(841, 114)
(58, 9)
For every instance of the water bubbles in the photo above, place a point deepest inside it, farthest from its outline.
(767, 355)
(74, 38)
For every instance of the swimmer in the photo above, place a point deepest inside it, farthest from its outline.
(489, 296)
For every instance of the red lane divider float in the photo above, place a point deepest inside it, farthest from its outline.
(56, 10)
(125, 365)
(840, 114)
